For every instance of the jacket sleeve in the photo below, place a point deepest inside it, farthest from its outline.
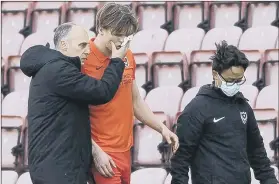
(69, 82)
(189, 132)
(257, 154)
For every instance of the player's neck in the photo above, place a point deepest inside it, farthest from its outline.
(102, 47)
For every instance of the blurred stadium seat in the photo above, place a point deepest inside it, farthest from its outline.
(147, 176)
(11, 44)
(224, 14)
(38, 38)
(251, 93)
(268, 98)
(188, 96)
(270, 66)
(259, 38)
(82, 13)
(47, 16)
(9, 177)
(170, 105)
(152, 14)
(187, 14)
(144, 43)
(261, 13)
(14, 16)
(24, 179)
(216, 35)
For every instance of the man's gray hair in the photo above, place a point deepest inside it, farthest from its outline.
(61, 32)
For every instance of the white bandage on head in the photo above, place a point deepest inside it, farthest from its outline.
(126, 40)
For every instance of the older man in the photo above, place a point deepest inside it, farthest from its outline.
(59, 130)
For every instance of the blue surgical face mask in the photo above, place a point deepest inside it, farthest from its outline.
(229, 90)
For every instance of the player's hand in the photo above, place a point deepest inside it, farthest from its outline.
(171, 138)
(120, 53)
(103, 163)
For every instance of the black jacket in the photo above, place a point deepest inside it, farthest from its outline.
(59, 143)
(219, 140)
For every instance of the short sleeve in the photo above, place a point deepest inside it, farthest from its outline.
(131, 56)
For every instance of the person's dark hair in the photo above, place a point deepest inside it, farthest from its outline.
(227, 56)
(117, 18)
(62, 31)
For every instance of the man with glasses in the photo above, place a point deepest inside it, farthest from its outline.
(218, 133)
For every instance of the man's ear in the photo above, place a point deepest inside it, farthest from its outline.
(215, 75)
(101, 31)
(63, 46)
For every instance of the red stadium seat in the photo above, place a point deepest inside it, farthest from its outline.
(224, 14)
(267, 123)
(170, 67)
(253, 42)
(14, 111)
(172, 96)
(46, 16)
(148, 41)
(144, 43)
(200, 71)
(145, 152)
(259, 38)
(167, 68)
(188, 96)
(14, 16)
(15, 77)
(216, 35)
(251, 93)
(15, 103)
(147, 139)
(187, 14)
(261, 14)
(9, 177)
(268, 97)
(24, 179)
(152, 14)
(185, 40)
(149, 176)
(38, 38)
(142, 69)
(11, 44)
(82, 13)
(270, 66)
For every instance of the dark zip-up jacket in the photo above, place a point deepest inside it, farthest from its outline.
(219, 140)
(59, 142)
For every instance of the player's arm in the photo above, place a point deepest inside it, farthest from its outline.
(189, 132)
(142, 111)
(69, 82)
(145, 115)
(257, 154)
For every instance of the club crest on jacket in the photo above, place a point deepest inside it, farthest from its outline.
(243, 116)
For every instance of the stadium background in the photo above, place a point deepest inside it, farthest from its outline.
(172, 50)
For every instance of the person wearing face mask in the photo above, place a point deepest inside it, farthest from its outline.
(218, 133)
(59, 141)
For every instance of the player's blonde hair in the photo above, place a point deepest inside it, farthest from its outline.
(117, 18)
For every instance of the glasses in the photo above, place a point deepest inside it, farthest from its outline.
(237, 81)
